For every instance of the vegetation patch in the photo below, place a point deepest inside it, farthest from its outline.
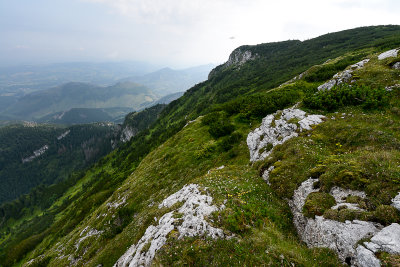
(348, 95)
(316, 204)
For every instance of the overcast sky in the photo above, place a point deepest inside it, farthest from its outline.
(177, 33)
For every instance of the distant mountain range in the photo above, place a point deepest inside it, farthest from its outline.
(20, 80)
(80, 95)
(81, 102)
(168, 81)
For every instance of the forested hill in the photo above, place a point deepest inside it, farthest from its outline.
(185, 191)
(34, 154)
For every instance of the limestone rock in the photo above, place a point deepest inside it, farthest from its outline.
(63, 135)
(239, 57)
(387, 54)
(396, 201)
(274, 131)
(265, 175)
(338, 236)
(341, 194)
(127, 133)
(396, 66)
(86, 233)
(195, 209)
(36, 153)
(372, 246)
(388, 239)
(344, 76)
(321, 232)
(366, 258)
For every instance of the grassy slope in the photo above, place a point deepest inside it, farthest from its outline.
(161, 174)
(254, 214)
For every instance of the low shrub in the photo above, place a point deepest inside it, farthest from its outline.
(316, 204)
(345, 95)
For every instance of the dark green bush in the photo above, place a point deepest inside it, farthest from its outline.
(210, 118)
(345, 95)
(221, 128)
(227, 142)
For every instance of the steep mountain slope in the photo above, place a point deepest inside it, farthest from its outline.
(42, 154)
(184, 191)
(136, 122)
(79, 95)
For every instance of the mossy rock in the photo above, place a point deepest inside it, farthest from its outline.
(386, 214)
(317, 203)
(362, 203)
(344, 214)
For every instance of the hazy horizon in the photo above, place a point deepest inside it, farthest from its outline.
(174, 33)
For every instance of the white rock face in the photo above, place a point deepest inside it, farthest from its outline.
(36, 154)
(366, 258)
(195, 209)
(388, 239)
(321, 232)
(396, 201)
(86, 233)
(63, 135)
(265, 175)
(396, 66)
(387, 54)
(239, 57)
(343, 77)
(341, 194)
(274, 131)
(127, 133)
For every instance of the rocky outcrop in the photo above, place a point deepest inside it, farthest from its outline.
(387, 54)
(366, 257)
(386, 240)
(343, 77)
(396, 201)
(63, 135)
(276, 129)
(239, 56)
(36, 154)
(341, 195)
(321, 232)
(396, 66)
(266, 173)
(188, 220)
(341, 237)
(86, 233)
(127, 133)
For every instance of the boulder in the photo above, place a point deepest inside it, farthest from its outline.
(387, 54)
